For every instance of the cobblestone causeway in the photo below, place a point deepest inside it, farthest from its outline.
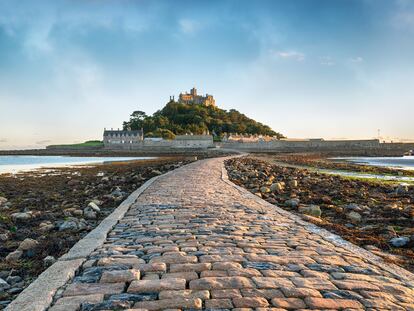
(194, 241)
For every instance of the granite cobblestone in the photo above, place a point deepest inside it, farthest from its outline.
(194, 241)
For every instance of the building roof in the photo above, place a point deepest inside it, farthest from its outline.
(193, 137)
(122, 132)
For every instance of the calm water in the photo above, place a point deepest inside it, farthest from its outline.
(406, 162)
(14, 164)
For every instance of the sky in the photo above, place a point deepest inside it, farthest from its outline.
(307, 68)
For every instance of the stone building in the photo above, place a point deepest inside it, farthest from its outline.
(193, 98)
(122, 137)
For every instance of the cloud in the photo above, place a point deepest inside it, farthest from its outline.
(188, 26)
(42, 142)
(357, 59)
(327, 61)
(293, 55)
(403, 16)
(3, 140)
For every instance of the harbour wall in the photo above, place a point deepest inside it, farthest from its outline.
(363, 147)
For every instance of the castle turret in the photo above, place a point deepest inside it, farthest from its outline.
(193, 91)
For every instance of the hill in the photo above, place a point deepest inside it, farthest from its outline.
(180, 118)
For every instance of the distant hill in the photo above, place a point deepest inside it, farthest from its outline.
(181, 118)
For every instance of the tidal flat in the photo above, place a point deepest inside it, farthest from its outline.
(378, 216)
(43, 213)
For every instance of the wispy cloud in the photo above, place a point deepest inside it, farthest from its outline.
(42, 142)
(403, 17)
(327, 61)
(3, 140)
(292, 55)
(189, 26)
(357, 59)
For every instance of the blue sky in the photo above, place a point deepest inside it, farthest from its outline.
(307, 68)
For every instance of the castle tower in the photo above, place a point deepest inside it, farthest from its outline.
(193, 91)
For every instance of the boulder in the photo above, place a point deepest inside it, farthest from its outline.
(312, 210)
(400, 241)
(28, 244)
(354, 217)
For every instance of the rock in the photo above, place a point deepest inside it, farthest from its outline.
(312, 210)
(48, 261)
(264, 190)
(353, 207)
(4, 237)
(94, 206)
(72, 224)
(46, 226)
(276, 187)
(3, 201)
(77, 212)
(13, 256)
(73, 182)
(402, 189)
(28, 244)
(3, 285)
(21, 216)
(326, 199)
(89, 213)
(354, 217)
(156, 173)
(400, 242)
(292, 202)
(117, 193)
(293, 183)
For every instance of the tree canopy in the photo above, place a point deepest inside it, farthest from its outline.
(180, 118)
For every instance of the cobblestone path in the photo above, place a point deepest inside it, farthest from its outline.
(194, 241)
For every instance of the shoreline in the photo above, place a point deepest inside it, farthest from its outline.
(325, 161)
(19, 168)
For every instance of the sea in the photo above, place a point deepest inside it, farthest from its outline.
(21, 163)
(405, 162)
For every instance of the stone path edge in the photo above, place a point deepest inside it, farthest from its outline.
(335, 239)
(38, 296)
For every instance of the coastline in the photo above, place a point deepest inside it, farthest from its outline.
(80, 162)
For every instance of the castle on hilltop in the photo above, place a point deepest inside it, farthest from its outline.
(193, 98)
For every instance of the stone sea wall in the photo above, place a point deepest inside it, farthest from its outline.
(372, 146)
(163, 145)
